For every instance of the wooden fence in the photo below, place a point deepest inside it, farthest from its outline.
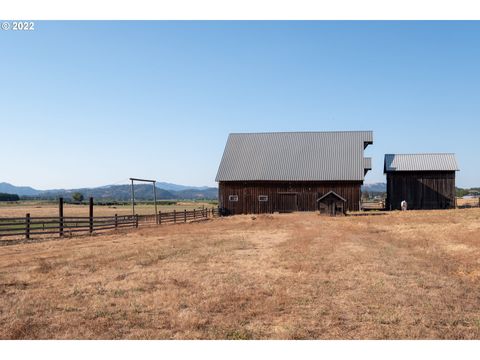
(372, 205)
(459, 204)
(28, 227)
(467, 203)
(176, 217)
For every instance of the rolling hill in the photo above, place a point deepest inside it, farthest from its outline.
(117, 192)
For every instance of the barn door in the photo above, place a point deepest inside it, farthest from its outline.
(287, 203)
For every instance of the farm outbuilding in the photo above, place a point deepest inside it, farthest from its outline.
(424, 181)
(331, 204)
(291, 171)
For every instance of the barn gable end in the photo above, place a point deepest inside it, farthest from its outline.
(424, 181)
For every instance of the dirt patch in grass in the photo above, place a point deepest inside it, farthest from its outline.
(413, 275)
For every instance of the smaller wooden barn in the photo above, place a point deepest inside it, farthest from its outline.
(424, 181)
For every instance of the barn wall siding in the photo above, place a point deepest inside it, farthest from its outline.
(284, 196)
(421, 190)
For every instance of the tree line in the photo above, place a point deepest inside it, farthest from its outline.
(463, 192)
(9, 197)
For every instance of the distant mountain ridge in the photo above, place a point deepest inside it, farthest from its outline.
(375, 187)
(7, 188)
(165, 191)
(176, 187)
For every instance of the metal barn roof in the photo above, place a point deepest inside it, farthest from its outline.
(420, 162)
(295, 156)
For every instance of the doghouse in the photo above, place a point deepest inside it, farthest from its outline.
(331, 204)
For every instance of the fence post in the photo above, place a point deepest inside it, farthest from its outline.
(194, 214)
(60, 216)
(160, 217)
(213, 212)
(185, 215)
(116, 220)
(90, 213)
(136, 220)
(174, 216)
(27, 226)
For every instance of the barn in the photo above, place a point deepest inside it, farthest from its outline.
(293, 171)
(424, 181)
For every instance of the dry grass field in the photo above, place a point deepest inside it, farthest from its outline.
(413, 275)
(41, 208)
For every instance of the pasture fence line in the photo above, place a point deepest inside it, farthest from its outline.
(372, 205)
(461, 203)
(29, 226)
(175, 217)
(47, 225)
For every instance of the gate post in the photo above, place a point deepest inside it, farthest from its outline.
(27, 226)
(60, 216)
(90, 214)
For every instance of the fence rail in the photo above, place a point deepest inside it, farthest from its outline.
(459, 204)
(372, 205)
(180, 216)
(467, 203)
(28, 226)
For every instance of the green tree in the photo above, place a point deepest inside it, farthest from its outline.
(78, 197)
(462, 192)
(365, 195)
(9, 197)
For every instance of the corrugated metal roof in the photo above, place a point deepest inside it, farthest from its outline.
(420, 162)
(295, 156)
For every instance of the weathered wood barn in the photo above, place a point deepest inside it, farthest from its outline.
(292, 171)
(424, 181)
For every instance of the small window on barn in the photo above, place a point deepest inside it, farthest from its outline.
(233, 198)
(263, 198)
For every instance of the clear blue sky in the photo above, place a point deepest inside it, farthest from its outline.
(93, 103)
